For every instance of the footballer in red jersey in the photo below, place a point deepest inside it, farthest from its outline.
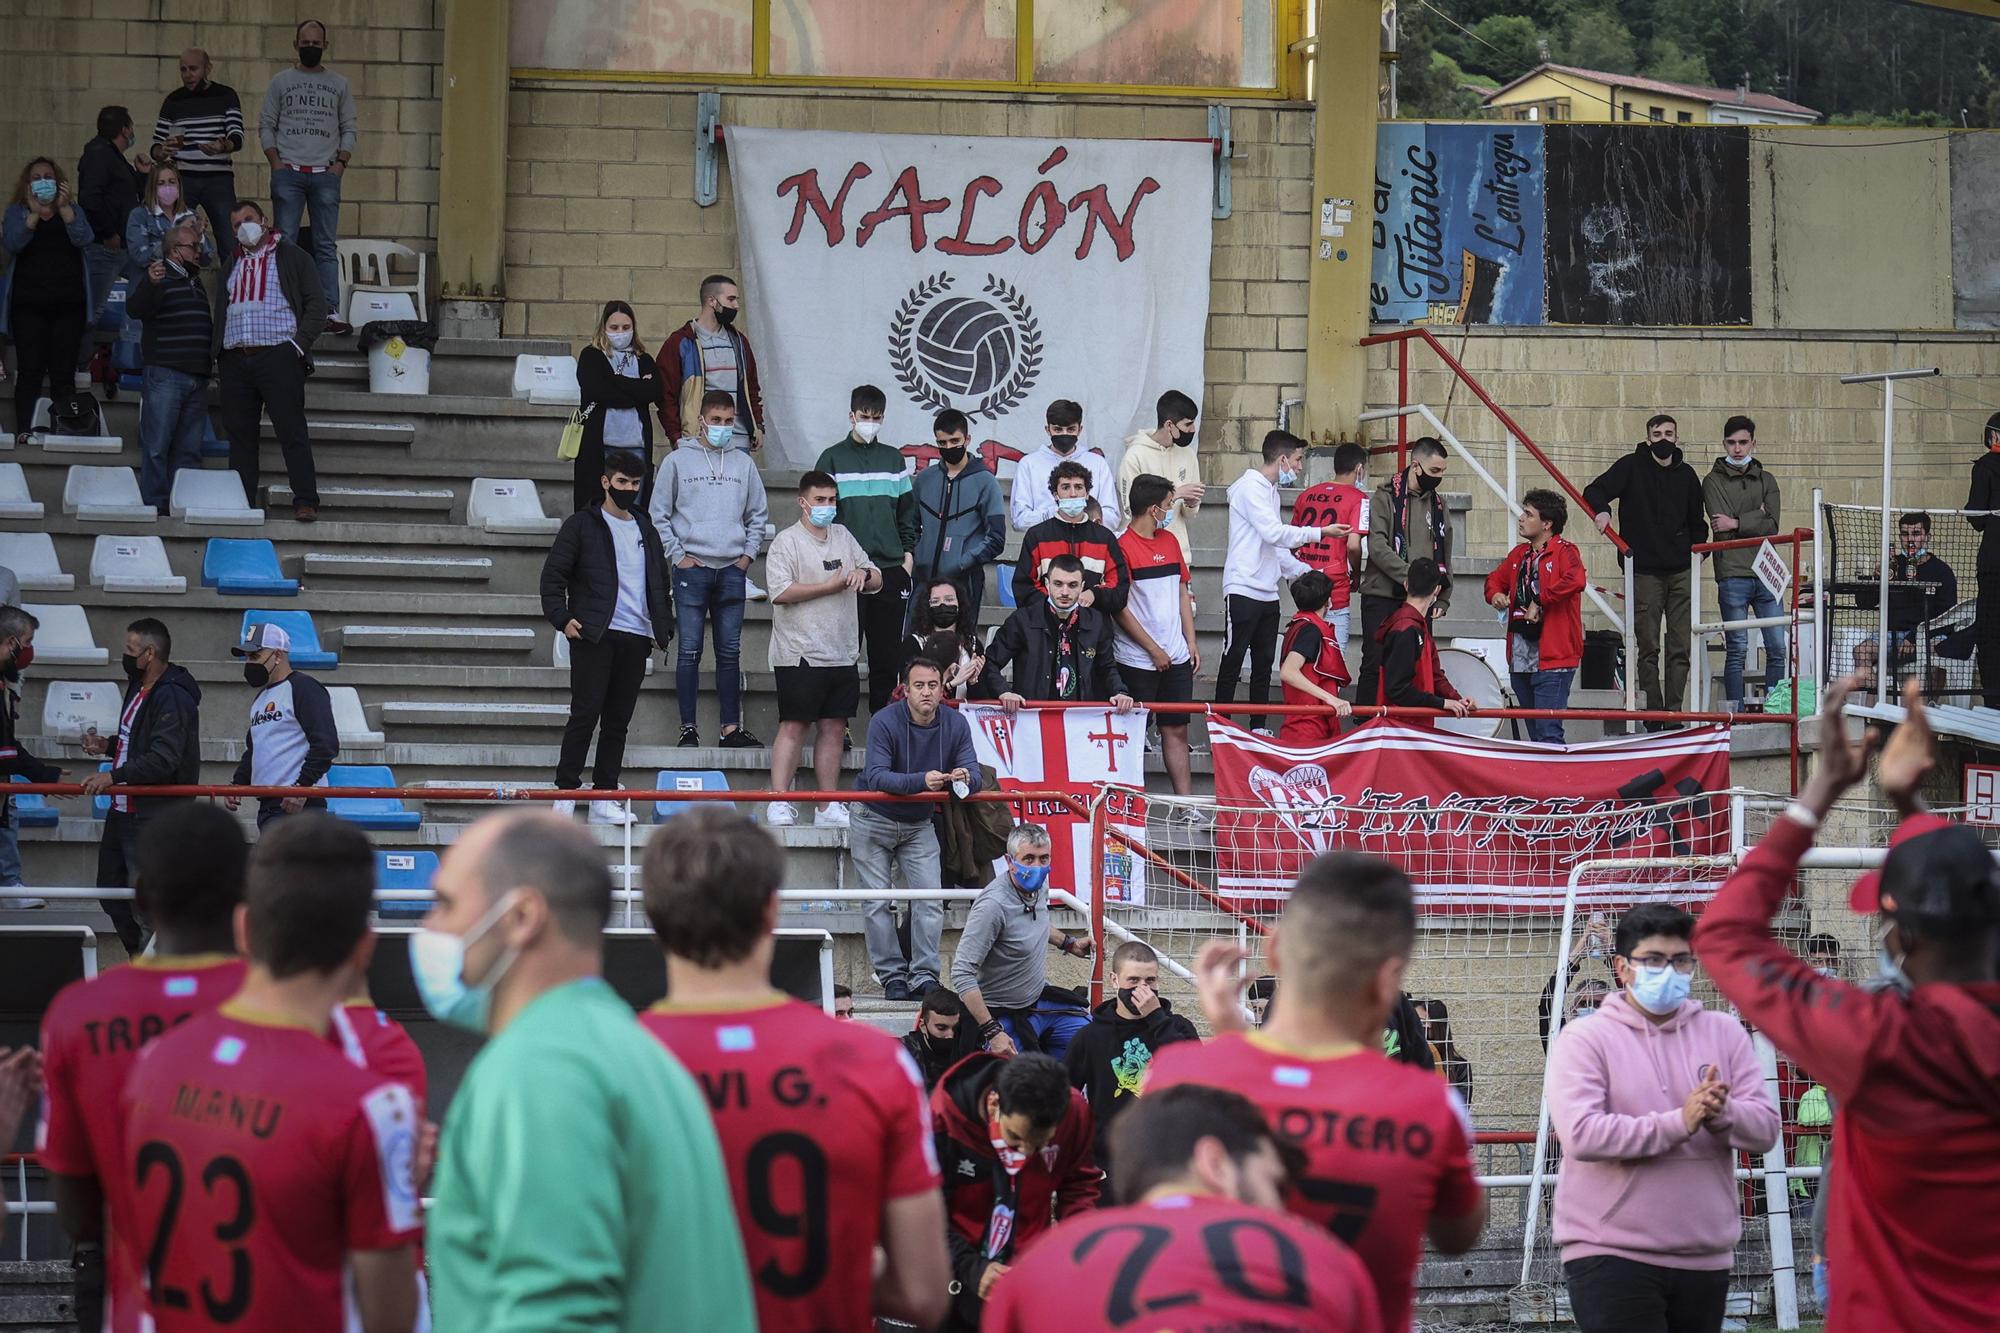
(189, 881)
(825, 1124)
(269, 1175)
(1205, 1243)
(1388, 1146)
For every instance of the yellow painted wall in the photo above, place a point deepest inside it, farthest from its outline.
(1850, 229)
(1589, 101)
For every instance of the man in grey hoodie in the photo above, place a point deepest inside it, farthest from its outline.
(709, 508)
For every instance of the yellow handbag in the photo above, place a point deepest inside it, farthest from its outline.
(571, 443)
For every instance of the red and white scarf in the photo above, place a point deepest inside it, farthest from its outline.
(250, 281)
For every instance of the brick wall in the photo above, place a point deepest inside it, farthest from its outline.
(60, 60)
(600, 205)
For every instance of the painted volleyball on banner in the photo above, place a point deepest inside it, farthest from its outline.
(966, 345)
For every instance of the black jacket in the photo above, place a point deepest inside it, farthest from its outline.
(14, 759)
(1985, 494)
(580, 577)
(178, 313)
(165, 748)
(1108, 1060)
(1659, 511)
(602, 387)
(107, 188)
(930, 1064)
(1027, 642)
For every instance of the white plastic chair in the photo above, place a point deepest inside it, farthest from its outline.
(73, 706)
(350, 720)
(507, 504)
(204, 495)
(546, 379)
(64, 638)
(365, 267)
(105, 495)
(32, 557)
(133, 564)
(15, 501)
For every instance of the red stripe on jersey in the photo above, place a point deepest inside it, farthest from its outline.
(822, 1124)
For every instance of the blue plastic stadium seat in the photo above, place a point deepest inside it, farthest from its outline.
(246, 566)
(131, 383)
(688, 779)
(307, 655)
(32, 810)
(212, 444)
(376, 812)
(1006, 586)
(100, 806)
(404, 870)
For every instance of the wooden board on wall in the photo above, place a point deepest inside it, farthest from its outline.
(1648, 225)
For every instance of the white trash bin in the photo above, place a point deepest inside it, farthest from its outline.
(396, 367)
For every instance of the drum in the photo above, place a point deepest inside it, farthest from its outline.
(1472, 675)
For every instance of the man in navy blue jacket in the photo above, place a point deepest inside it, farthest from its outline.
(914, 746)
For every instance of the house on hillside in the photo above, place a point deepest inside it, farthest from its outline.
(1565, 92)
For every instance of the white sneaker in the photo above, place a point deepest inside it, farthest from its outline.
(781, 814)
(611, 812)
(1193, 815)
(751, 591)
(563, 809)
(1265, 732)
(21, 904)
(833, 816)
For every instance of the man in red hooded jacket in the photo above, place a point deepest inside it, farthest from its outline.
(1411, 675)
(1540, 587)
(1014, 1146)
(1913, 1239)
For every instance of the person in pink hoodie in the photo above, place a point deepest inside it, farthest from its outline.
(1652, 1097)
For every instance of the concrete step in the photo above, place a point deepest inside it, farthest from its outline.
(443, 638)
(328, 567)
(472, 713)
(356, 500)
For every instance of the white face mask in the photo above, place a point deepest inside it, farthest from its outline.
(250, 233)
(1739, 463)
(1659, 990)
(866, 431)
(620, 340)
(437, 965)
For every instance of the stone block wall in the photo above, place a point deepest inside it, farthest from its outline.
(61, 60)
(600, 205)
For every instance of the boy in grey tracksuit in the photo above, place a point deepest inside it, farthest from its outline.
(709, 508)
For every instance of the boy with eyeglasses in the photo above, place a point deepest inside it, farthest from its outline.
(1652, 1102)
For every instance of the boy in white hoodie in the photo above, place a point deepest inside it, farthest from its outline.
(1168, 451)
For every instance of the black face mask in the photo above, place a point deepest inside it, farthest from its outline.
(131, 666)
(256, 674)
(1062, 443)
(941, 1048)
(1183, 438)
(725, 315)
(944, 614)
(622, 499)
(952, 457)
(1427, 483)
(309, 56)
(1125, 1002)
(1664, 449)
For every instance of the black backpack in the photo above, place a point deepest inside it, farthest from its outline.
(75, 414)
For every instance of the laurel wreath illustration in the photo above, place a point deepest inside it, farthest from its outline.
(902, 356)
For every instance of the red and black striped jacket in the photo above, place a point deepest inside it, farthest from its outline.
(1104, 569)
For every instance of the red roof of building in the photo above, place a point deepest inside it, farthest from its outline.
(1693, 91)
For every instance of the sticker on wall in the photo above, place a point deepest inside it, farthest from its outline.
(1458, 224)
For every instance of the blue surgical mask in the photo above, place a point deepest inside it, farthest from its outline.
(1288, 476)
(1166, 520)
(44, 189)
(821, 516)
(1739, 463)
(1659, 990)
(719, 435)
(1074, 506)
(437, 965)
(1585, 1010)
(1029, 879)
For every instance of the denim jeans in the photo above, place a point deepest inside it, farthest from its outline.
(292, 193)
(10, 847)
(103, 264)
(1747, 599)
(715, 596)
(1544, 689)
(877, 844)
(1048, 1028)
(173, 417)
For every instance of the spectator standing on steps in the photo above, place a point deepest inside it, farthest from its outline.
(158, 745)
(1411, 676)
(107, 188)
(1539, 586)
(914, 745)
(961, 516)
(1741, 500)
(1058, 648)
(174, 300)
(1407, 521)
(1155, 646)
(817, 572)
(1168, 451)
(1984, 502)
(1311, 666)
(1002, 960)
(1031, 498)
(709, 507)
(1342, 501)
(1071, 531)
(200, 128)
(308, 127)
(48, 297)
(17, 650)
(1660, 518)
(268, 314)
(710, 354)
(618, 384)
(879, 508)
(1260, 553)
(604, 585)
(292, 740)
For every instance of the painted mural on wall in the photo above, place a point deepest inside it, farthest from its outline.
(1458, 224)
(1648, 225)
(1975, 231)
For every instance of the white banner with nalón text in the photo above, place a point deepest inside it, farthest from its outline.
(987, 274)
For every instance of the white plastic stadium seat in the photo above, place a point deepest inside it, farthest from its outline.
(365, 267)
(350, 721)
(64, 637)
(203, 495)
(507, 504)
(32, 557)
(546, 379)
(105, 495)
(133, 564)
(72, 706)
(70, 444)
(15, 502)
